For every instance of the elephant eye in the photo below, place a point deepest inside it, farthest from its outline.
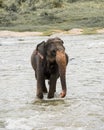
(53, 53)
(62, 42)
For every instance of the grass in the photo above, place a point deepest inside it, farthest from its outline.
(51, 15)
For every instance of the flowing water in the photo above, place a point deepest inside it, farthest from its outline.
(81, 109)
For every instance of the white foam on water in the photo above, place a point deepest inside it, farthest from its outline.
(19, 124)
(70, 128)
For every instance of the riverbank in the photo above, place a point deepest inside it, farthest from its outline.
(56, 16)
(74, 31)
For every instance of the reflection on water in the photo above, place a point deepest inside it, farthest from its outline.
(81, 109)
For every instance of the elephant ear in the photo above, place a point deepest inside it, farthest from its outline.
(40, 49)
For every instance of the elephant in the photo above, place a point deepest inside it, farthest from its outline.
(49, 62)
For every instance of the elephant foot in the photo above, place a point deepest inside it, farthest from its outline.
(50, 96)
(40, 95)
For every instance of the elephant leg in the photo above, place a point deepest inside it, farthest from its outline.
(39, 92)
(40, 80)
(41, 88)
(40, 84)
(44, 87)
(49, 85)
(52, 86)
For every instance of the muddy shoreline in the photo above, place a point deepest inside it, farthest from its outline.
(74, 31)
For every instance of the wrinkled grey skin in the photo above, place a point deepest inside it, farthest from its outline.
(45, 65)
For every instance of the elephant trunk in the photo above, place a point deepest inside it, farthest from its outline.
(61, 61)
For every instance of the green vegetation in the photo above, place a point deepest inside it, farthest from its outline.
(48, 15)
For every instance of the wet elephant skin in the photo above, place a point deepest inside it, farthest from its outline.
(49, 62)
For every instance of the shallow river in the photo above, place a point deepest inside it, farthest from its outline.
(81, 109)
